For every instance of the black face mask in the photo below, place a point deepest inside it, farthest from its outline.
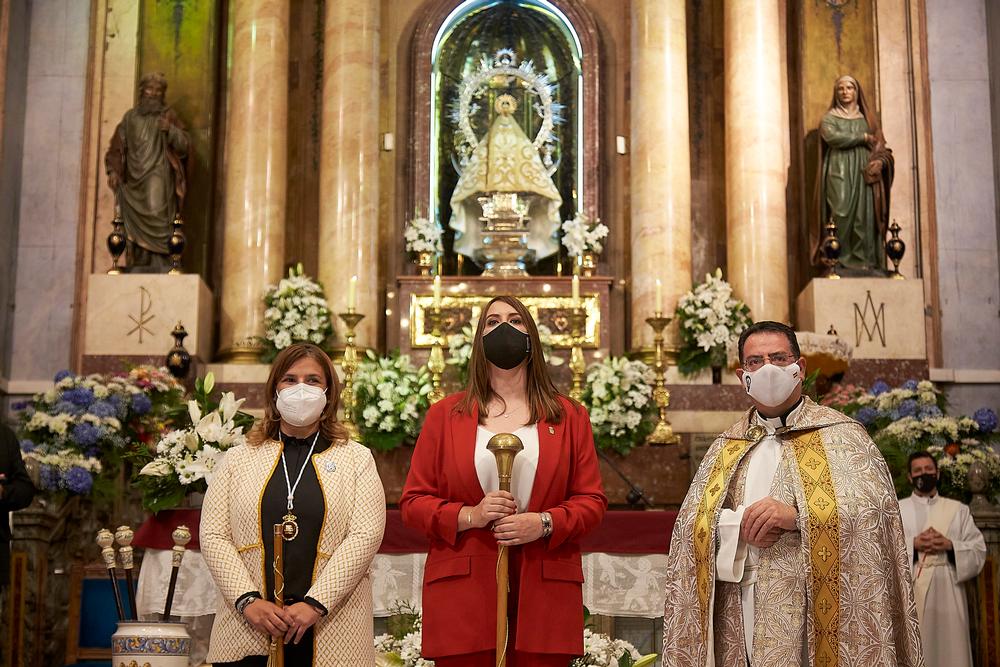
(506, 347)
(925, 483)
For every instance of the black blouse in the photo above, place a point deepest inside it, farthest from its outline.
(310, 509)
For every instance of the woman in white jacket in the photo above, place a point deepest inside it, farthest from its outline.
(299, 469)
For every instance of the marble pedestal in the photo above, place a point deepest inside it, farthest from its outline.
(131, 316)
(882, 318)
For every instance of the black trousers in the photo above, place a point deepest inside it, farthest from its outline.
(296, 655)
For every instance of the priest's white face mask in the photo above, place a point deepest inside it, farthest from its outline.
(302, 404)
(771, 385)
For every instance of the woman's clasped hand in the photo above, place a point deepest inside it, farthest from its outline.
(498, 511)
(288, 623)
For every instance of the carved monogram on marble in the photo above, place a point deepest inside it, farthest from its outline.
(143, 317)
(869, 321)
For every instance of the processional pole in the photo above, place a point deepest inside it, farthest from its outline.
(505, 446)
(276, 651)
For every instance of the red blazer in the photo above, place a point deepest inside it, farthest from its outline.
(459, 589)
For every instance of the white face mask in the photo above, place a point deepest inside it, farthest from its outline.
(771, 385)
(302, 404)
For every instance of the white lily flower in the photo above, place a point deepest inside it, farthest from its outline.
(156, 468)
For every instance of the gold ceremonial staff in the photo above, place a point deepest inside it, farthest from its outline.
(505, 446)
(276, 651)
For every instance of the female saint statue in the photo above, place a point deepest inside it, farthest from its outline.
(856, 171)
(505, 160)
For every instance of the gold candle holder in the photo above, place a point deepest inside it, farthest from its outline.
(435, 363)
(350, 364)
(577, 365)
(663, 434)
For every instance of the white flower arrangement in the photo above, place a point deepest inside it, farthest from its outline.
(580, 235)
(422, 235)
(184, 459)
(710, 321)
(295, 311)
(619, 397)
(600, 650)
(938, 429)
(391, 395)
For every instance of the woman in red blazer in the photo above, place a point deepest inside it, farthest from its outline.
(557, 498)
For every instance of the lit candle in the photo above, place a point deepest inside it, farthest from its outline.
(437, 291)
(659, 297)
(352, 294)
(576, 291)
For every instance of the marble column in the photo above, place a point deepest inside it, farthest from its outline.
(756, 174)
(255, 172)
(349, 164)
(660, 163)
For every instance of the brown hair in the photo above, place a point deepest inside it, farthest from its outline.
(268, 426)
(543, 397)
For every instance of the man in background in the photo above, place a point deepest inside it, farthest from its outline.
(946, 550)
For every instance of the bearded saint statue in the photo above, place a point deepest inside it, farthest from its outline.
(145, 164)
(505, 160)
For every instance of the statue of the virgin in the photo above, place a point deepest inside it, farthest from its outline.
(505, 160)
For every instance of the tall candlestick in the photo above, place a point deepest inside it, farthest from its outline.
(659, 297)
(352, 294)
(437, 291)
(576, 291)
(663, 432)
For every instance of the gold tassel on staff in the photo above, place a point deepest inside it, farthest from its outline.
(505, 447)
(276, 652)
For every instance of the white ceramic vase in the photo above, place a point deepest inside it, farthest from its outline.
(150, 644)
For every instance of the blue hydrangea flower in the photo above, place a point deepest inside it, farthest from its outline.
(77, 480)
(67, 408)
(867, 415)
(17, 406)
(880, 387)
(908, 408)
(930, 412)
(103, 409)
(141, 404)
(63, 374)
(49, 478)
(80, 396)
(910, 385)
(987, 420)
(86, 435)
(27, 446)
(120, 403)
(894, 415)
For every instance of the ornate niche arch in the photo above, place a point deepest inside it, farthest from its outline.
(436, 14)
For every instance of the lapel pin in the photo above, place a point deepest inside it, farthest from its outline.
(330, 466)
(552, 431)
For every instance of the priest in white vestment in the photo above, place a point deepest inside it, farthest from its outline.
(788, 550)
(946, 550)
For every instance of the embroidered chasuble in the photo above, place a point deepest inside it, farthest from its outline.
(834, 592)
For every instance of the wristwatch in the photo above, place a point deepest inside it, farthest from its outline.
(546, 524)
(245, 601)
